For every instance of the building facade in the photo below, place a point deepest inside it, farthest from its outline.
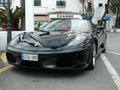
(45, 10)
(15, 3)
(97, 2)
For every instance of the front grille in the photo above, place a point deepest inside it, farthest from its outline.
(30, 63)
(62, 60)
(11, 57)
(59, 60)
(56, 60)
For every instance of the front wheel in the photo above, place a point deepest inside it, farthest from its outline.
(104, 49)
(92, 58)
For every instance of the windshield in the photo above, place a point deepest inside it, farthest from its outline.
(68, 25)
(58, 25)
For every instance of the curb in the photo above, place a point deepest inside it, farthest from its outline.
(114, 31)
(2, 64)
(3, 58)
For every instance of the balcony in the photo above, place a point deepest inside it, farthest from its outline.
(40, 10)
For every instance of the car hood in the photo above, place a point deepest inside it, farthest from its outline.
(44, 39)
(51, 40)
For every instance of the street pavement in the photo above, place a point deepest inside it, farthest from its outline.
(101, 78)
(113, 42)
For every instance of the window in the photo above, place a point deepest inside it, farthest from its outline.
(58, 25)
(80, 25)
(66, 25)
(61, 3)
(37, 2)
(3, 2)
(100, 4)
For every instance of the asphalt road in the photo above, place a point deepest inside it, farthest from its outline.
(101, 78)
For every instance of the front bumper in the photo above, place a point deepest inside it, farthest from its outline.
(72, 60)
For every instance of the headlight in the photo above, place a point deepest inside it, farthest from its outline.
(25, 42)
(77, 40)
(14, 41)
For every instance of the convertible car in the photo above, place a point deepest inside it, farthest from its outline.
(69, 44)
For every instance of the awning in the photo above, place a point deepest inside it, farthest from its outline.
(64, 14)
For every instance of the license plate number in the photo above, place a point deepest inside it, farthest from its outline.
(30, 57)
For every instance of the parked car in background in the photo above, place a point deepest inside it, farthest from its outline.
(68, 44)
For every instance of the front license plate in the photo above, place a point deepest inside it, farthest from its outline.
(30, 57)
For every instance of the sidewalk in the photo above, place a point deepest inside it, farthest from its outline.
(3, 59)
(117, 30)
(1, 64)
(4, 66)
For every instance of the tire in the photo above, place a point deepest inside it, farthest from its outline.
(104, 50)
(92, 58)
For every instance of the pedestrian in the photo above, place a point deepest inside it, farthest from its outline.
(114, 29)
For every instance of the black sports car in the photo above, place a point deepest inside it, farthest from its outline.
(70, 44)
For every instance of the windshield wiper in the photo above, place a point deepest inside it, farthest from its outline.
(43, 31)
(60, 30)
(46, 33)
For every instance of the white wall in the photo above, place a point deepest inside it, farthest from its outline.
(29, 15)
(71, 5)
(99, 12)
(96, 2)
(15, 3)
(3, 38)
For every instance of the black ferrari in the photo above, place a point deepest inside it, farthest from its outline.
(70, 44)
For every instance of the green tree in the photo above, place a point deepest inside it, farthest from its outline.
(87, 8)
(23, 17)
(16, 15)
(115, 7)
(83, 6)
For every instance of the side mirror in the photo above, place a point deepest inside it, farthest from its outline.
(100, 27)
(99, 30)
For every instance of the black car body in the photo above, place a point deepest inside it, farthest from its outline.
(62, 44)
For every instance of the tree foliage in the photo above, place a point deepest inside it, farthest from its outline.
(16, 14)
(115, 7)
(87, 8)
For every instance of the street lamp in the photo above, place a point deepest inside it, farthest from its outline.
(9, 25)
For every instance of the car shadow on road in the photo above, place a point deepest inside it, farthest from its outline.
(29, 72)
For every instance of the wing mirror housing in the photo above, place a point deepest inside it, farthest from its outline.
(100, 27)
(99, 30)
